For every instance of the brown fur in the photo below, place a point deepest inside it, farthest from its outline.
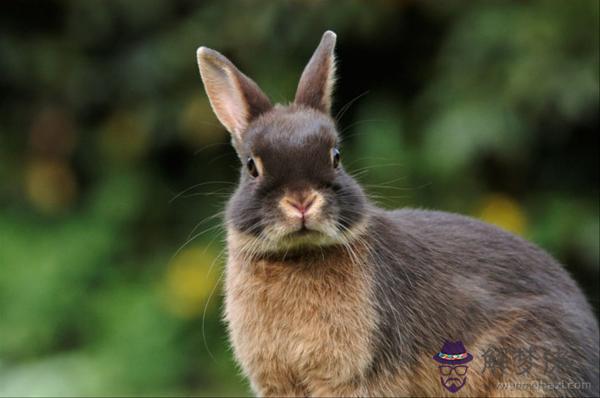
(293, 328)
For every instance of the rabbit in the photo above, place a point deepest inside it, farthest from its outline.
(328, 295)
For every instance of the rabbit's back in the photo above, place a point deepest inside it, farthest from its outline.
(455, 278)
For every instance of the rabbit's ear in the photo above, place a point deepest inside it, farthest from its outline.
(234, 97)
(316, 84)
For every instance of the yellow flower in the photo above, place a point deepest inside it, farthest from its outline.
(190, 281)
(504, 212)
(50, 185)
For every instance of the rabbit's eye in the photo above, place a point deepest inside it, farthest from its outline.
(252, 167)
(335, 156)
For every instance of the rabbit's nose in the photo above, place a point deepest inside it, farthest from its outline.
(302, 205)
(302, 202)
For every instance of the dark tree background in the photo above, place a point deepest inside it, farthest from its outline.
(114, 169)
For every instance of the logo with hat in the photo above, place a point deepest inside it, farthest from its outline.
(452, 360)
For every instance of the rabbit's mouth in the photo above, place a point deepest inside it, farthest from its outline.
(303, 231)
(283, 238)
(305, 237)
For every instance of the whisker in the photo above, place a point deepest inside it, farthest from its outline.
(214, 159)
(208, 301)
(198, 185)
(348, 104)
(357, 123)
(214, 194)
(187, 242)
(205, 147)
(221, 213)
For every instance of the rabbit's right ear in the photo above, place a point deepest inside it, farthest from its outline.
(234, 97)
(316, 83)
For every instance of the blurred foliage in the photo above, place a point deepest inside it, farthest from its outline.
(115, 170)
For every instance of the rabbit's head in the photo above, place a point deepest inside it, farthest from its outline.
(293, 190)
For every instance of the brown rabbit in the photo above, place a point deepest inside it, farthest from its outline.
(328, 295)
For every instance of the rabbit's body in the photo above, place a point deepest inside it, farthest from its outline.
(327, 295)
(293, 329)
(366, 319)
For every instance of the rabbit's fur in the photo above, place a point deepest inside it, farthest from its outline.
(328, 295)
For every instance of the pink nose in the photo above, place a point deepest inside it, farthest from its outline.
(302, 204)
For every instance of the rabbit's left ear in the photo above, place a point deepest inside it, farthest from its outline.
(316, 84)
(234, 97)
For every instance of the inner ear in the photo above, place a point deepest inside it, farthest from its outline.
(234, 97)
(315, 88)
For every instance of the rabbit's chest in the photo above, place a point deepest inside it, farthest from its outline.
(295, 319)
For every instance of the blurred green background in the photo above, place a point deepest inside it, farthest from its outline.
(113, 168)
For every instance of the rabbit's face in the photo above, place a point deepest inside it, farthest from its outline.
(293, 189)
